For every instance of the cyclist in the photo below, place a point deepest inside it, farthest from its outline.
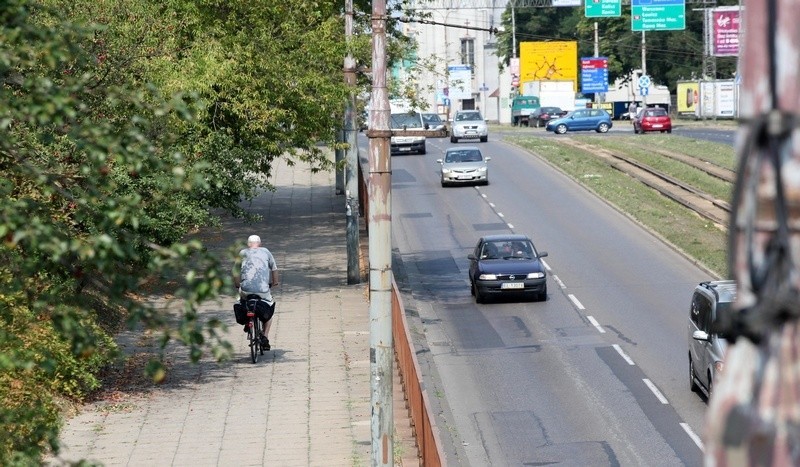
(255, 273)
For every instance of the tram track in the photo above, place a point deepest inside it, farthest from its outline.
(702, 203)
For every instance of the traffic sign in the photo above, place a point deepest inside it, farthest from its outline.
(644, 91)
(603, 8)
(658, 15)
(594, 74)
(644, 81)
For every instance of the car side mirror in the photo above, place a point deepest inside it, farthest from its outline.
(471, 257)
(487, 159)
(440, 161)
(542, 254)
(700, 336)
(427, 127)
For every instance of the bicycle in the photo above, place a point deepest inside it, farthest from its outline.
(254, 328)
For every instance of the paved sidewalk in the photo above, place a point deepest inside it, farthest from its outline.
(313, 385)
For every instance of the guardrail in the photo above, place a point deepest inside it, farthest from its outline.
(417, 399)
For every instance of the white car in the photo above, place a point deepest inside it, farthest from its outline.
(464, 164)
(469, 124)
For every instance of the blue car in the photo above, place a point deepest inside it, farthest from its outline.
(581, 120)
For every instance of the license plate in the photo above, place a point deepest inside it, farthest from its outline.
(471, 132)
(405, 149)
(657, 125)
(464, 177)
(512, 285)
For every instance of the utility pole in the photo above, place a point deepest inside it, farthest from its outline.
(644, 70)
(351, 170)
(381, 350)
(754, 412)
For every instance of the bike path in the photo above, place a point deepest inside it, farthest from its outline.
(306, 402)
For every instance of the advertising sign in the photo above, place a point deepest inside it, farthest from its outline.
(658, 15)
(460, 81)
(543, 61)
(725, 31)
(688, 94)
(594, 74)
(717, 99)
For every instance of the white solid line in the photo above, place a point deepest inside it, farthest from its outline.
(693, 435)
(558, 281)
(655, 391)
(623, 354)
(596, 324)
(576, 302)
(546, 266)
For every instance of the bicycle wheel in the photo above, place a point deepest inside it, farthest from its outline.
(255, 344)
(259, 326)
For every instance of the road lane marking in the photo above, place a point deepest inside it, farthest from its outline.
(576, 302)
(596, 324)
(655, 390)
(500, 214)
(623, 354)
(558, 281)
(693, 435)
(510, 226)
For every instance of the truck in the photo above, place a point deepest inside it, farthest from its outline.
(521, 109)
(552, 93)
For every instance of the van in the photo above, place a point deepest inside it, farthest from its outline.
(407, 144)
(711, 301)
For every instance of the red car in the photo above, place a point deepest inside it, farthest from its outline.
(652, 119)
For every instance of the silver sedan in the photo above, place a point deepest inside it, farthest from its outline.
(464, 165)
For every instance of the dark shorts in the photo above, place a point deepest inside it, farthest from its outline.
(264, 310)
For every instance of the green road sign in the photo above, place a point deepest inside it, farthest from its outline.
(603, 8)
(658, 15)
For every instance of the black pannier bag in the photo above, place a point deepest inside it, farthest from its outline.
(240, 312)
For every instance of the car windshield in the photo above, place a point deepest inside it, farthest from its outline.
(465, 155)
(468, 116)
(516, 249)
(431, 118)
(551, 110)
(655, 113)
(406, 120)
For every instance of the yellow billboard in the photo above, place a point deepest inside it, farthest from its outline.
(542, 61)
(687, 94)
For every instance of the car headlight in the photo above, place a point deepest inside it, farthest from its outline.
(535, 275)
(487, 277)
(446, 171)
(482, 169)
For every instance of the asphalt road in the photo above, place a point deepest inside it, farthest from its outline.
(595, 375)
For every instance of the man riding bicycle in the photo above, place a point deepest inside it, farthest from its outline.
(255, 273)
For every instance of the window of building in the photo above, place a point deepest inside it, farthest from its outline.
(468, 51)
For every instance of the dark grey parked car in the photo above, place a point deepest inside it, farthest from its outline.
(506, 265)
(710, 301)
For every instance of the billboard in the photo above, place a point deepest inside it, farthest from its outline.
(542, 61)
(725, 31)
(717, 99)
(460, 81)
(688, 94)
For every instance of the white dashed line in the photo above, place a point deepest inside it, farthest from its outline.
(596, 324)
(693, 435)
(491, 205)
(500, 214)
(483, 195)
(510, 226)
(655, 390)
(558, 281)
(546, 266)
(576, 302)
(623, 354)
